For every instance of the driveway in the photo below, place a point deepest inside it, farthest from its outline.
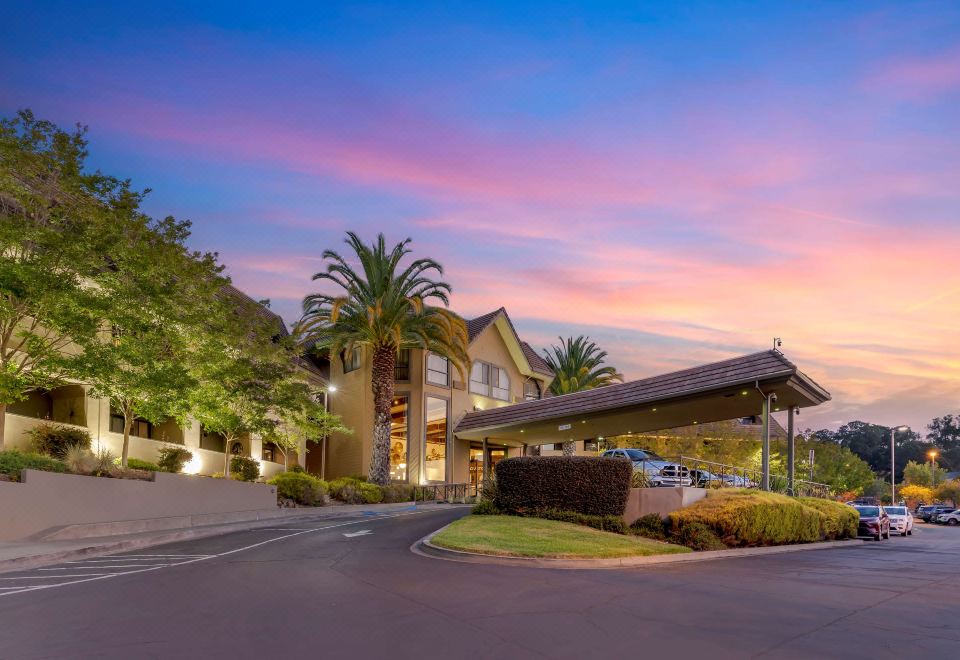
(351, 588)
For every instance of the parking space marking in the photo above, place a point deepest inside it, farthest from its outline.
(187, 559)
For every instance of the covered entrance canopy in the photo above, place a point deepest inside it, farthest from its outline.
(740, 387)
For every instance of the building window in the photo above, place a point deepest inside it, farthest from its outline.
(399, 427)
(531, 390)
(558, 446)
(140, 428)
(591, 445)
(438, 370)
(489, 380)
(501, 383)
(435, 450)
(480, 378)
(401, 370)
(351, 362)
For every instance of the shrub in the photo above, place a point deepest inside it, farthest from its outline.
(697, 536)
(13, 461)
(137, 464)
(651, 526)
(608, 523)
(244, 469)
(485, 508)
(172, 459)
(582, 484)
(488, 490)
(55, 439)
(301, 487)
(639, 479)
(398, 492)
(297, 468)
(839, 521)
(354, 491)
(749, 518)
(103, 463)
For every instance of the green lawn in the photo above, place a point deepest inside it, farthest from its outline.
(535, 537)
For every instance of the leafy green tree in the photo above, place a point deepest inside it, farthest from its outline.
(379, 309)
(156, 298)
(920, 474)
(302, 418)
(945, 436)
(578, 364)
(871, 442)
(55, 222)
(949, 491)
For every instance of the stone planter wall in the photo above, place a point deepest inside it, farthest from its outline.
(643, 501)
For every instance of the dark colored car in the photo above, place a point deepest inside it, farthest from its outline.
(929, 512)
(874, 522)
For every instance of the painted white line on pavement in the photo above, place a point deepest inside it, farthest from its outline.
(100, 566)
(142, 569)
(162, 556)
(107, 560)
(56, 577)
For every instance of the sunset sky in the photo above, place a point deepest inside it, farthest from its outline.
(680, 181)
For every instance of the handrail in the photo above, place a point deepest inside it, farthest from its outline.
(743, 477)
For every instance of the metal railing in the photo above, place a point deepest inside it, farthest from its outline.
(444, 492)
(709, 474)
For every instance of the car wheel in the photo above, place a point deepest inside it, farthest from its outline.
(877, 537)
(909, 532)
(887, 535)
(952, 521)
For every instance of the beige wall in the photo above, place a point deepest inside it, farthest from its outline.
(353, 401)
(46, 500)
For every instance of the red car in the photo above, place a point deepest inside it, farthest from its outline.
(874, 522)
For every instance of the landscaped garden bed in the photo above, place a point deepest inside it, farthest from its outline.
(532, 537)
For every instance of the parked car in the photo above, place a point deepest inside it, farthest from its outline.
(901, 520)
(703, 478)
(929, 512)
(874, 522)
(950, 518)
(659, 471)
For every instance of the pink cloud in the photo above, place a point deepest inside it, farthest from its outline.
(919, 78)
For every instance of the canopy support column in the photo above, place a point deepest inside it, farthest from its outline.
(791, 452)
(486, 460)
(765, 451)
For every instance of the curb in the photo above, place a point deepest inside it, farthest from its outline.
(106, 546)
(425, 548)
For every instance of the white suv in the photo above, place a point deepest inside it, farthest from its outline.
(951, 518)
(659, 471)
(901, 520)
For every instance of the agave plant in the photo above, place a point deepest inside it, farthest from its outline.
(379, 309)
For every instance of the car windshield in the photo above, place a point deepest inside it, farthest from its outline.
(640, 455)
(896, 510)
(868, 511)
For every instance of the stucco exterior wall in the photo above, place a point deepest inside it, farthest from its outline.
(45, 500)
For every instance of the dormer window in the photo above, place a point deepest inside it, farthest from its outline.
(531, 390)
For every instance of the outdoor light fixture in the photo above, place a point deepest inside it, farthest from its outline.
(332, 388)
(745, 393)
(654, 410)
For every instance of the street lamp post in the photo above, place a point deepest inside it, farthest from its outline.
(933, 470)
(893, 462)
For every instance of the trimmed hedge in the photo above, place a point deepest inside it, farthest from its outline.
(840, 521)
(752, 518)
(173, 459)
(582, 484)
(12, 461)
(300, 487)
(137, 464)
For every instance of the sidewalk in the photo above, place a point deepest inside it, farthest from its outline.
(19, 555)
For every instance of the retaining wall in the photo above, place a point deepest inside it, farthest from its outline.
(663, 500)
(45, 501)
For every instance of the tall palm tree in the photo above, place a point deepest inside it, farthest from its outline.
(578, 364)
(380, 309)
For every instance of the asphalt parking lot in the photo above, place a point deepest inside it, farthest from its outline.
(353, 588)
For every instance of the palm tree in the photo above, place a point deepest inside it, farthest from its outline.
(577, 365)
(381, 309)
